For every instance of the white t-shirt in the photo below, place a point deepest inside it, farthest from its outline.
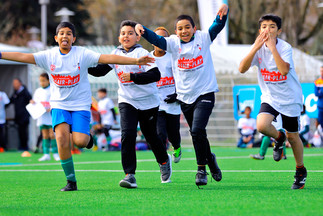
(192, 66)
(283, 93)
(247, 126)
(166, 84)
(3, 101)
(68, 76)
(105, 105)
(42, 95)
(304, 121)
(142, 97)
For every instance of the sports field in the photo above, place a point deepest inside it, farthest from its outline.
(248, 187)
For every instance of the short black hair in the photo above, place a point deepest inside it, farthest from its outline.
(104, 90)
(45, 75)
(64, 25)
(276, 19)
(128, 23)
(184, 17)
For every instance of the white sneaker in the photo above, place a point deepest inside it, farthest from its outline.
(56, 157)
(46, 157)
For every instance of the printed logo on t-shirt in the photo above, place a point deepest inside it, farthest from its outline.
(45, 104)
(259, 60)
(184, 63)
(52, 67)
(165, 81)
(272, 76)
(68, 80)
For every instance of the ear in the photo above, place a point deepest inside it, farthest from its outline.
(55, 37)
(194, 29)
(74, 39)
(138, 38)
(279, 31)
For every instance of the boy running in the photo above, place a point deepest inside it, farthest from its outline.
(195, 81)
(138, 102)
(70, 100)
(169, 109)
(281, 91)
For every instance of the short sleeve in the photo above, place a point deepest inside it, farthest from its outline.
(172, 43)
(91, 58)
(41, 59)
(5, 98)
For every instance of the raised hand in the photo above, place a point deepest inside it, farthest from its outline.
(145, 60)
(261, 39)
(139, 29)
(223, 11)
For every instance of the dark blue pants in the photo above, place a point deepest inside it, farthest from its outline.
(197, 116)
(130, 116)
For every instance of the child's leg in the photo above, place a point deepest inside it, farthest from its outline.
(148, 126)
(53, 141)
(266, 141)
(173, 128)
(81, 128)
(128, 121)
(161, 126)
(297, 147)
(46, 141)
(264, 125)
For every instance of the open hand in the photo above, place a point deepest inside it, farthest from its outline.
(223, 11)
(145, 60)
(139, 29)
(261, 39)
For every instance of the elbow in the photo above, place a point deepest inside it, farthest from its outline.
(242, 69)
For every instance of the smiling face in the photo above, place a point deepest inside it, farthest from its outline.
(128, 37)
(269, 27)
(65, 39)
(184, 30)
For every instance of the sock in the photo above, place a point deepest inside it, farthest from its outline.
(265, 143)
(54, 146)
(68, 167)
(280, 137)
(299, 168)
(201, 167)
(46, 145)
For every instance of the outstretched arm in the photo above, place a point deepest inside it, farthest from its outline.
(151, 36)
(246, 62)
(99, 70)
(219, 21)
(18, 57)
(122, 60)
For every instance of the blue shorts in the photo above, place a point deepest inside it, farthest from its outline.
(79, 121)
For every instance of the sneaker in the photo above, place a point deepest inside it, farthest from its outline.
(166, 170)
(129, 181)
(257, 157)
(214, 169)
(201, 178)
(177, 155)
(300, 178)
(278, 152)
(56, 157)
(46, 157)
(71, 186)
(90, 144)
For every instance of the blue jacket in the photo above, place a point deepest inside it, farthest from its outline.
(319, 92)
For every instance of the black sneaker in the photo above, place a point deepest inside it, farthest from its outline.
(201, 178)
(129, 181)
(300, 178)
(90, 144)
(278, 152)
(166, 170)
(214, 168)
(257, 157)
(71, 186)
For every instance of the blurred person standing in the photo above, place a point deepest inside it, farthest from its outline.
(3, 101)
(20, 98)
(319, 93)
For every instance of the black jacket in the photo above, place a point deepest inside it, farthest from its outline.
(20, 100)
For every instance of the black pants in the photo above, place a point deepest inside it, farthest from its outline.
(147, 119)
(197, 116)
(2, 137)
(23, 129)
(168, 127)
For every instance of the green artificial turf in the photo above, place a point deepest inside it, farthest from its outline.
(248, 187)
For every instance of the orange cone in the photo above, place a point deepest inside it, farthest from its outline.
(26, 154)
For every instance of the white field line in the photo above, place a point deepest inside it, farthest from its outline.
(157, 171)
(141, 160)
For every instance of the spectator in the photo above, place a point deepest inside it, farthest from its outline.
(247, 128)
(3, 101)
(319, 93)
(20, 98)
